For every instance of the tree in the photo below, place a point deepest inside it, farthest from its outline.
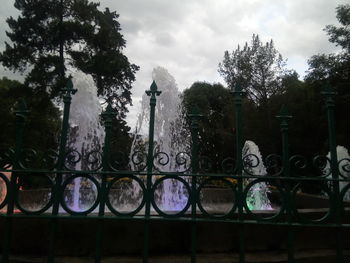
(102, 57)
(341, 35)
(258, 68)
(120, 144)
(216, 128)
(334, 69)
(43, 122)
(41, 128)
(51, 35)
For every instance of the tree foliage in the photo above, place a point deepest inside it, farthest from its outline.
(50, 36)
(257, 67)
(341, 35)
(308, 132)
(334, 69)
(43, 122)
(217, 127)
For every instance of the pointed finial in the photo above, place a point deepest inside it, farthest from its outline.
(195, 114)
(70, 86)
(284, 110)
(69, 90)
(237, 91)
(109, 109)
(195, 110)
(238, 87)
(21, 109)
(154, 86)
(21, 105)
(328, 90)
(153, 90)
(284, 114)
(108, 115)
(329, 94)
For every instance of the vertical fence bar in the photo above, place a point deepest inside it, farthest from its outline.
(329, 95)
(67, 98)
(194, 116)
(152, 92)
(284, 117)
(21, 116)
(238, 95)
(107, 118)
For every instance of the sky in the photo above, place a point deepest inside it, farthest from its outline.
(189, 37)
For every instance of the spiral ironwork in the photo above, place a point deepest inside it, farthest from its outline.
(111, 179)
(251, 161)
(322, 164)
(344, 167)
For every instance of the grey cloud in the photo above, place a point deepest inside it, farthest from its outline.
(154, 15)
(189, 37)
(165, 39)
(130, 26)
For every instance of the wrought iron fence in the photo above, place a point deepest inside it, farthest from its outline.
(238, 178)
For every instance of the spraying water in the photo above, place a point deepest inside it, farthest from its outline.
(88, 135)
(170, 195)
(344, 168)
(257, 198)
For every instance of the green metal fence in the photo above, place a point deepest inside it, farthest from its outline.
(54, 167)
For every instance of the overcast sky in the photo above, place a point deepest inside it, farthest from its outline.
(189, 37)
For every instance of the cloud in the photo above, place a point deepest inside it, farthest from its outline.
(189, 37)
(165, 39)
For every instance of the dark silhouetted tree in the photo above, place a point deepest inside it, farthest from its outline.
(259, 69)
(43, 122)
(217, 127)
(334, 69)
(50, 35)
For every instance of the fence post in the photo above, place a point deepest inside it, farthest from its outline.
(238, 94)
(329, 94)
(284, 117)
(21, 113)
(21, 116)
(67, 98)
(194, 117)
(107, 117)
(153, 92)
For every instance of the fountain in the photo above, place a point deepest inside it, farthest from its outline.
(169, 141)
(344, 169)
(170, 138)
(257, 198)
(168, 123)
(86, 138)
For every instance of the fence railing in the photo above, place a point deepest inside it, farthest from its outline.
(110, 192)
